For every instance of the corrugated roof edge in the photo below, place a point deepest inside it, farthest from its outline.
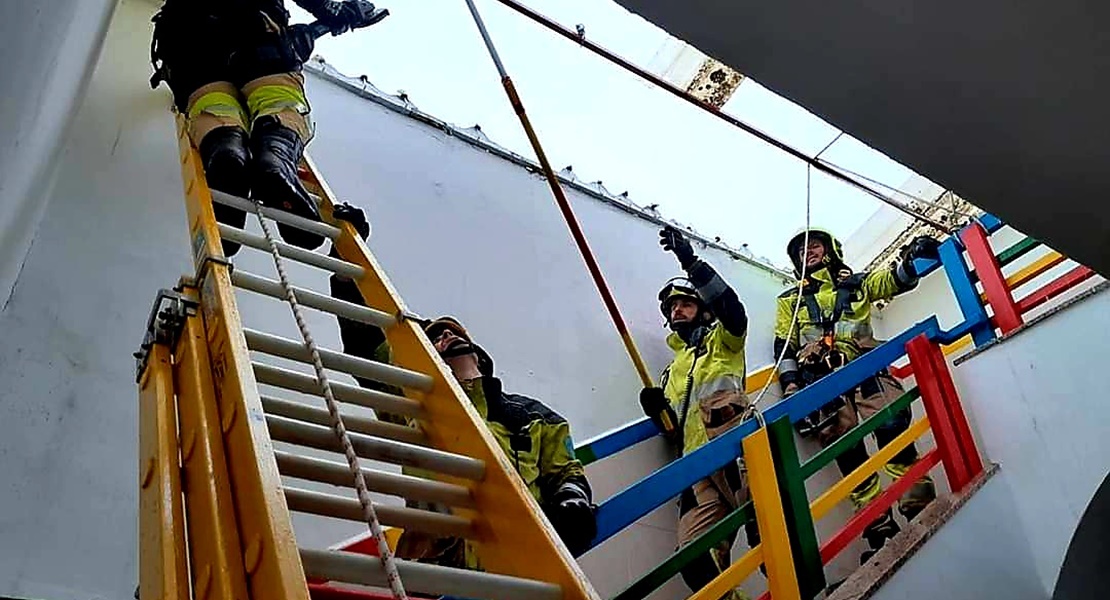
(362, 87)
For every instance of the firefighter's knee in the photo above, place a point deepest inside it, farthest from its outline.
(281, 96)
(214, 105)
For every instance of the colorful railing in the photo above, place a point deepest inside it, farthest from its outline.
(998, 292)
(770, 452)
(793, 556)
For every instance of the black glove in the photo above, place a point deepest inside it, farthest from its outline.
(572, 515)
(341, 17)
(922, 246)
(353, 215)
(673, 241)
(301, 41)
(655, 405)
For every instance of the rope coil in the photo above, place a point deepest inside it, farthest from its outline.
(369, 514)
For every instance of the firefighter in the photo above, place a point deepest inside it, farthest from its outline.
(701, 395)
(536, 440)
(234, 67)
(834, 327)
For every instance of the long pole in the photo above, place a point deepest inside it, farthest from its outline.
(709, 108)
(564, 204)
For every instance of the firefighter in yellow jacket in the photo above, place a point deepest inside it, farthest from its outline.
(834, 327)
(702, 395)
(535, 438)
(234, 67)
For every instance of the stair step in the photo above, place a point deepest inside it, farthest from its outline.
(352, 394)
(424, 578)
(400, 453)
(349, 509)
(381, 482)
(286, 218)
(345, 363)
(355, 423)
(315, 259)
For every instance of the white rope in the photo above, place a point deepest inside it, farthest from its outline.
(753, 407)
(368, 512)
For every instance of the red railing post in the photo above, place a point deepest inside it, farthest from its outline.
(1006, 313)
(956, 416)
(933, 396)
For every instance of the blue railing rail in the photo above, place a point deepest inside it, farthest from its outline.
(644, 496)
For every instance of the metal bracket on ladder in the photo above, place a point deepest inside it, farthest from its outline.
(164, 325)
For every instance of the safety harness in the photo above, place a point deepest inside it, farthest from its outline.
(822, 357)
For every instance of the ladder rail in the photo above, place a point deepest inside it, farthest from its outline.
(270, 555)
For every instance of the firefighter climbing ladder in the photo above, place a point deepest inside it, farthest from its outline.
(215, 512)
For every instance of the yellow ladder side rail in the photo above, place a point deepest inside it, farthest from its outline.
(270, 555)
(514, 536)
(163, 567)
(215, 553)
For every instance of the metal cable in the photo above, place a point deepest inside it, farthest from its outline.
(753, 407)
(368, 512)
(934, 203)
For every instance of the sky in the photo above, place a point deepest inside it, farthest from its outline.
(612, 126)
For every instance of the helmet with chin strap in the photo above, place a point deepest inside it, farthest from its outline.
(834, 251)
(680, 287)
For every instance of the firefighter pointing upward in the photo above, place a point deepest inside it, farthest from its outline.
(702, 395)
(834, 327)
(234, 67)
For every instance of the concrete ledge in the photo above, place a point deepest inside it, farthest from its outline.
(871, 576)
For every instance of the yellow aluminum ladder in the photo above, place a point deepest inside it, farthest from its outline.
(215, 497)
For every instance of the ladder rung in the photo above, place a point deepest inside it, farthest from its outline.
(338, 507)
(393, 484)
(358, 424)
(329, 231)
(307, 384)
(352, 365)
(425, 578)
(315, 259)
(322, 438)
(349, 310)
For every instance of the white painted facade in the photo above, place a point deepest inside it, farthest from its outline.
(460, 228)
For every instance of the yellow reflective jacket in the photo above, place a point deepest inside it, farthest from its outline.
(705, 383)
(852, 330)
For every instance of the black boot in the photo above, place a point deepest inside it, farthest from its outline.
(276, 150)
(225, 155)
(877, 533)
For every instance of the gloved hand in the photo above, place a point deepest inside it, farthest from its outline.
(572, 515)
(341, 16)
(922, 246)
(353, 215)
(673, 241)
(301, 41)
(790, 390)
(655, 405)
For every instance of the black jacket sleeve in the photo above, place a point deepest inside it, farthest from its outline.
(361, 339)
(720, 297)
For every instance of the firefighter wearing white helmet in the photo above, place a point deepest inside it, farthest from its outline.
(834, 327)
(702, 395)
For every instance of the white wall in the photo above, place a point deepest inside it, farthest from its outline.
(458, 229)
(1038, 406)
(976, 555)
(49, 48)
